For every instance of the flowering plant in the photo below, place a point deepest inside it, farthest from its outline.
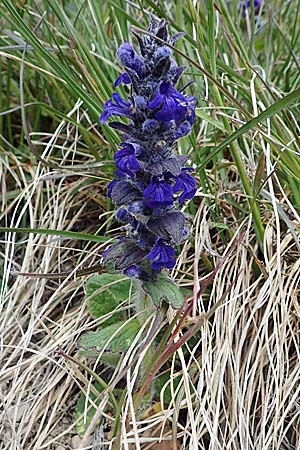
(151, 182)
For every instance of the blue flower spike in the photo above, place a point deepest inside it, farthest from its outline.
(151, 182)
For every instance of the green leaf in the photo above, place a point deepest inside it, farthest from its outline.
(160, 382)
(104, 293)
(165, 378)
(91, 354)
(124, 334)
(164, 290)
(110, 359)
(84, 421)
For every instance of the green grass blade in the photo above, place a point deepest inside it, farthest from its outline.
(274, 109)
(60, 233)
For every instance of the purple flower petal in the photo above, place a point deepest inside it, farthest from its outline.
(123, 78)
(126, 159)
(185, 183)
(129, 58)
(158, 194)
(162, 256)
(173, 105)
(116, 107)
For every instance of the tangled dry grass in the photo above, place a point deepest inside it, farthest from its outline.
(235, 384)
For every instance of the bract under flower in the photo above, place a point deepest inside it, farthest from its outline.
(110, 187)
(169, 227)
(123, 254)
(124, 192)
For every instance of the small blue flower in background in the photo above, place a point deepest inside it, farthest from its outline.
(246, 5)
(151, 182)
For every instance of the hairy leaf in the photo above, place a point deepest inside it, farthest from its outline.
(164, 290)
(124, 334)
(104, 293)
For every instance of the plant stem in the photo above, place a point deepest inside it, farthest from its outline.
(144, 307)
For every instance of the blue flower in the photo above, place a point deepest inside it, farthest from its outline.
(158, 193)
(123, 78)
(136, 208)
(185, 183)
(119, 108)
(162, 256)
(150, 126)
(247, 5)
(126, 159)
(129, 58)
(171, 104)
